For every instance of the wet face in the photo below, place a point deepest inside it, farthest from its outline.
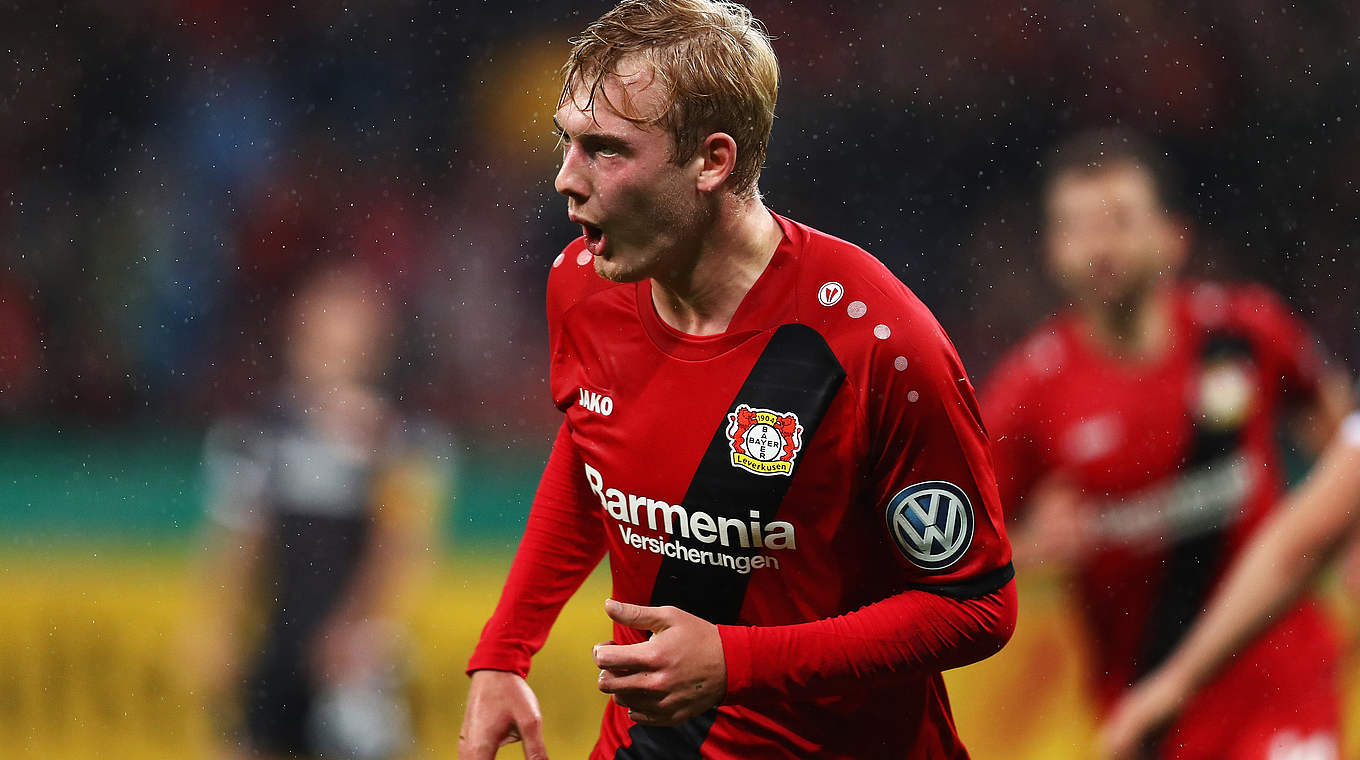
(640, 212)
(1109, 239)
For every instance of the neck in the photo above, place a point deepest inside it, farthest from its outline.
(1136, 329)
(701, 298)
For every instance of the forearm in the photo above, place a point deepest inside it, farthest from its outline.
(911, 632)
(229, 571)
(1289, 551)
(215, 647)
(1323, 418)
(397, 554)
(547, 569)
(543, 577)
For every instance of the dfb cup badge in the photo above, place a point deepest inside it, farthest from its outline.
(764, 441)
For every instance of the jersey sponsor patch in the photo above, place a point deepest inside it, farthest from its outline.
(931, 523)
(764, 441)
(1226, 393)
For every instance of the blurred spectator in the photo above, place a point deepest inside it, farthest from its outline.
(172, 171)
(20, 348)
(322, 507)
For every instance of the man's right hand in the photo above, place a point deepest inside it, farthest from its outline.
(501, 710)
(1143, 712)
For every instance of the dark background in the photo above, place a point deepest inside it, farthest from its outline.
(172, 171)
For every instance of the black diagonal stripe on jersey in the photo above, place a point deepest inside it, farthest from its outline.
(681, 742)
(1192, 563)
(797, 372)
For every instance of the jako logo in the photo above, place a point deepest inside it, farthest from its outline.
(597, 403)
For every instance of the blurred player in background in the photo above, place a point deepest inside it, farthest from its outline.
(768, 434)
(1288, 551)
(321, 512)
(1135, 438)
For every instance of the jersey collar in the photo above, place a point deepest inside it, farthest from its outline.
(768, 304)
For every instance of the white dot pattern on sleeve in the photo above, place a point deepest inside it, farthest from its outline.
(900, 363)
(856, 309)
(882, 332)
(913, 396)
(583, 258)
(557, 262)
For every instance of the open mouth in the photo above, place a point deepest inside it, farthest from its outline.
(594, 238)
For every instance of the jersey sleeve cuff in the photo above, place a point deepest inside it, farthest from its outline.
(736, 644)
(971, 588)
(504, 657)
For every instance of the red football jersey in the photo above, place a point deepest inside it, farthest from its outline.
(815, 480)
(1178, 460)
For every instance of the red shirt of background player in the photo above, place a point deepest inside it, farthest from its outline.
(1177, 462)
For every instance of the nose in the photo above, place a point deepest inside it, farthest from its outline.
(1094, 243)
(571, 179)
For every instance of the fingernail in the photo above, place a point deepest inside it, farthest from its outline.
(611, 605)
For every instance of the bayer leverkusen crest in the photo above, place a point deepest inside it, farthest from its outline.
(764, 441)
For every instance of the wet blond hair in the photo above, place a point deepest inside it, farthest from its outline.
(714, 61)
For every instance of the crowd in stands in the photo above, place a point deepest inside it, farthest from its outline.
(173, 171)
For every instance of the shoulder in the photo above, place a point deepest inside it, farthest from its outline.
(236, 436)
(249, 431)
(1042, 354)
(1242, 306)
(877, 327)
(572, 280)
(850, 297)
(1260, 317)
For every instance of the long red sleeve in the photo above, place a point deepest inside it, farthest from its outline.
(547, 569)
(907, 633)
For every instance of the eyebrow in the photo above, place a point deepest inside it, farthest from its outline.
(598, 139)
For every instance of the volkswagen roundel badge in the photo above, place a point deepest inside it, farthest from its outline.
(931, 523)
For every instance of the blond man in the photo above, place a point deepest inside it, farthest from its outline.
(768, 434)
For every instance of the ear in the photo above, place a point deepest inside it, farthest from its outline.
(1177, 237)
(715, 160)
(1051, 247)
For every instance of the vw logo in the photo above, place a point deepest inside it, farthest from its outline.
(931, 523)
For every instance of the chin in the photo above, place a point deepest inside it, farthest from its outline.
(615, 272)
(1127, 298)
